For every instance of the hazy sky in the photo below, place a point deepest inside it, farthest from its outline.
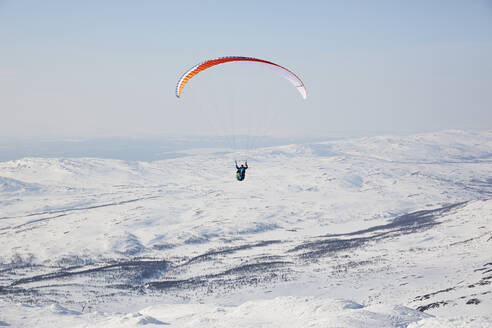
(109, 68)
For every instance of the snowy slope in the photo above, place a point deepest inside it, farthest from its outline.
(380, 231)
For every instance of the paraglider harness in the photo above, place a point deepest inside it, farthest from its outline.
(241, 172)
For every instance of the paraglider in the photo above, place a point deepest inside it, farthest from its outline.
(241, 171)
(284, 72)
(287, 74)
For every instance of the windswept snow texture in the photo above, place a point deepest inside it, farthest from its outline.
(374, 232)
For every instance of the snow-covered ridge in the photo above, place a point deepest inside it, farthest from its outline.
(400, 221)
(13, 186)
(442, 147)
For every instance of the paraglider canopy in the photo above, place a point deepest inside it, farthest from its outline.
(284, 72)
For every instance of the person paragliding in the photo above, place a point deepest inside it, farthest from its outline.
(208, 64)
(241, 171)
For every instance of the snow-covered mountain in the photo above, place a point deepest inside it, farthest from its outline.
(373, 232)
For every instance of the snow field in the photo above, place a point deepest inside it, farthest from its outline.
(351, 233)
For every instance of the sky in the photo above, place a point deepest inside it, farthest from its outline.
(109, 68)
